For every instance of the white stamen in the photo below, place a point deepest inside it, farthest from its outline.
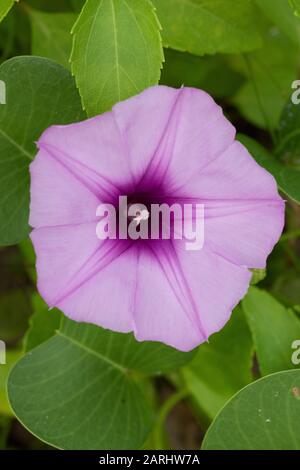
(143, 215)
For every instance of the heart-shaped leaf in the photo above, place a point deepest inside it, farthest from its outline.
(80, 389)
(265, 415)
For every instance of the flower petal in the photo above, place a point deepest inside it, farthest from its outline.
(61, 253)
(166, 128)
(244, 214)
(245, 236)
(88, 279)
(57, 197)
(105, 298)
(183, 297)
(93, 151)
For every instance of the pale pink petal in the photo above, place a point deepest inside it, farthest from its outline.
(56, 196)
(244, 214)
(93, 149)
(183, 297)
(165, 128)
(88, 279)
(106, 298)
(61, 253)
(234, 175)
(248, 234)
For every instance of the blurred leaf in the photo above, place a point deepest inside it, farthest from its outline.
(22, 36)
(78, 390)
(39, 93)
(221, 366)
(14, 34)
(49, 5)
(12, 357)
(203, 27)
(4, 430)
(5, 6)
(262, 416)
(288, 179)
(13, 274)
(182, 68)
(270, 71)
(51, 35)
(15, 305)
(278, 263)
(116, 53)
(274, 329)
(295, 4)
(15, 309)
(296, 309)
(77, 4)
(281, 14)
(43, 324)
(287, 289)
(7, 37)
(288, 148)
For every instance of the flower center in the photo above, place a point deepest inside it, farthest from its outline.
(142, 214)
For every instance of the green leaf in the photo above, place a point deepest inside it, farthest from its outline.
(270, 71)
(221, 367)
(116, 53)
(12, 356)
(287, 289)
(295, 5)
(203, 27)
(43, 324)
(5, 6)
(288, 148)
(263, 416)
(182, 68)
(77, 5)
(280, 13)
(288, 179)
(14, 34)
(49, 5)
(51, 35)
(79, 390)
(39, 93)
(274, 329)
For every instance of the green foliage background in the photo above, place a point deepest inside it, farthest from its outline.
(75, 386)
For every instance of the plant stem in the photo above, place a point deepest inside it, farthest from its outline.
(164, 412)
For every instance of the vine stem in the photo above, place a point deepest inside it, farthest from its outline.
(164, 412)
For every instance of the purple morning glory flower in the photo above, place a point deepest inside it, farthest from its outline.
(162, 146)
